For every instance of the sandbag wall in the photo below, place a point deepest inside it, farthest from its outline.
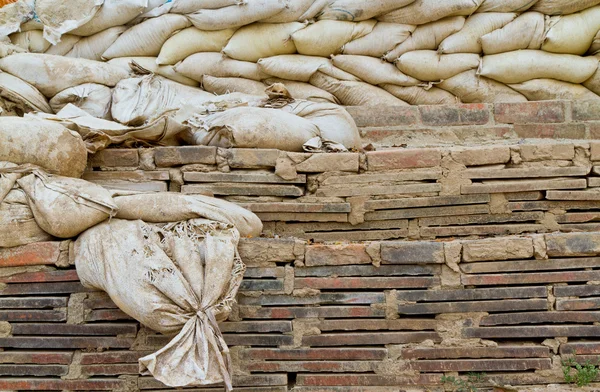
(352, 52)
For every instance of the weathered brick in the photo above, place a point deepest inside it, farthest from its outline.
(540, 318)
(479, 365)
(507, 305)
(108, 357)
(262, 285)
(585, 110)
(110, 369)
(343, 254)
(320, 163)
(56, 384)
(74, 329)
(297, 207)
(114, 157)
(585, 290)
(264, 178)
(314, 354)
(364, 270)
(33, 302)
(258, 339)
(73, 342)
(404, 252)
(482, 219)
(531, 265)
(146, 186)
(577, 304)
(580, 348)
(384, 116)
(42, 276)
(378, 325)
(256, 326)
(547, 151)
(593, 182)
(476, 352)
(368, 338)
(252, 158)
(311, 366)
(498, 249)
(39, 357)
(367, 235)
(321, 299)
(472, 294)
(526, 172)
(33, 315)
(43, 288)
(516, 196)
(573, 195)
(551, 131)
(233, 188)
(463, 114)
(529, 112)
(484, 155)
(128, 175)
(403, 159)
(38, 253)
(365, 283)
(323, 380)
(537, 331)
(269, 272)
(409, 213)
(310, 312)
(529, 278)
(552, 205)
(434, 201)
(411, 188)
(480, 230)
(106, 315)
(524, 185)
(301, 217)
(332, 178)
(573, 244)
(256, 251)
(33, 370)
(185, 155)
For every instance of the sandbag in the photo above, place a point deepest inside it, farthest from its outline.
(92, 98)
(146, 38)
(427, 36)
(523, 65)
(417, 95)
(425, 11)
(383, 38)
(14, 14)
(301, 90)
(93, 46)
(67, 42)
(573, 33)
(593, 83)
(373, 70)
(250, 127)
(525, 32)
(191, 40)
(231, 85)
(51, 74)
(112, 13)
(430, 66)
(327, 37)
(298, 11)
(505, 5)
(300, 68)
(561, 7)
(59, 17)
(65, 207)
(179, 280)
(164, 207)
(33, 24)
(215, 64)
(236, 15)
(148, 64)
(470, 88)
(549, 89)
(33, 41)
(352, 93)
(42, 143)
(595, 47)
(468, 39)
(357, 10)
(258, 40)
(22, 95)
(189, 6)
(17, 224)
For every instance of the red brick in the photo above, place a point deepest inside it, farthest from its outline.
(176, 156)
(585, 290)
(406, 252)
(314, 354)
(537, 331)
(573, 244)
(107, 315)
(551, 131)
(99, 301)
(43, 288)
(112, 357)
(446, 115)
(110, 369)
(476, 352)
(258, 339)
(540, 318)
(479, 365)
(29, 384)
(585, 110)
(38, 253)
(472, 294)
(343, 254)
(365, 283)
(33, 315)
(256, 326)
(540, 277)
(577, 304)
(114, 157)
(580, 348)
(506, 305)
(403, 158)
(529, 112)
(75, 329)
(369, 338)
(262, 285)
(311, 366)
(594, 129)
(368, 270)
(33, 302)
(321, 299)
(45, 276)
(366, 379)
(43, 358)
(377, 324)
(33, 370)
(70, 342)
(383, 116)
(310, 312)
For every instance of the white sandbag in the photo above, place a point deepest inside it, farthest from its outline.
(562, 7)
(427, 36)
(221, 86)
(236, 15)
(164, 207)
(425, 11)
(373, 70)
(351, 93)
(32, 24)
(42, 143)
(292, 67)
(357, 10)
(17, 224)
(50, 197)
(61, 17)
(215, 64)
(301, 90)
(14, 14)
(417, 95)
(92, 98)
(572, 33)
(24, 96)
(298, 11)
(51, 74)
(383, 38)
(93, 46)
(468, 39)
(189, 6)
(595, 47)
(428, 65)
(192, 40)
(525, 32)
(505, 5)
(33, 41)
(328, 37)
(523, 65)
(470, 88)
(549, 89)
(149, 64)
(258, 40)
(179, 280)
(112, 13)
(146, 38)
(250, 127)
(67, 41)
(593, 83)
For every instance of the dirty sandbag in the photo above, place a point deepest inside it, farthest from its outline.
(189, 6)
(179, 279)
(505, 5)
(357, 10)
(383, 38)
(425, 11)
(67, 42)
(236, 15)
(14, 14)
(593, 83)
(17, 224)
(419, 95)
(7, 48)
(468, 39)
(163, 207)
(373, 70)
(301, 90)
(251, 127)
(427, 36)
(562, 7)
(218, 65)
(221, 86)
(595, 47)
(192, 40)
(112, 13)
(296, 67)
(430, 66)
(352, 93)
(146, 38)
(470, 88)
(549, 89)
(33, 41)
(60, 17)
(92, 98)
(522, 65)
(327, 37)
(22, 95)
(42, 143)
(525, 32)
(52, 74)
(93, 46)
(145, 65)
(572, 33)
(258, 40)
(298, 11)
(64, 207)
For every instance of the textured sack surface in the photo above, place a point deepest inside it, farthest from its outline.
(32, 41)
(328, 37)
(383, 38)
(548, 89)
(300, 90)
(470, 88)
(236, 15)
(298, 11)
(292, 67)
(431, 66)
(93, 46)
(149, 64)
(12, 15)
(573, 33)
(22, 95)
(505, 5)
(468, 39)
(215, 64)
(17, 224)
(357, 10)
(525, 32)
(59, 16)
(94, 99)
(416, 95)
(112, 13)
(222, 86)
(258, 40)
(67, 42)
(373, 70)
(425, 11)
(593, 83)
(560, 7)
(192, 40)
